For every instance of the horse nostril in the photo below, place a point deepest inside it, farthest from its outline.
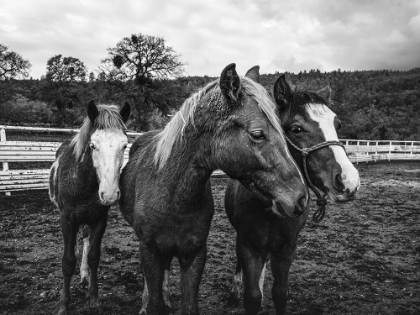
(102, 195)
(338, 182)
(301, 206)
(118, 195)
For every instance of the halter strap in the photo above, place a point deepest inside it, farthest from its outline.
(321, 202)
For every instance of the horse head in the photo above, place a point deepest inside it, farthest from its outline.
(311, 128)
(107, 143)
(249, 145)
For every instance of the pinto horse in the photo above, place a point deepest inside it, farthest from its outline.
(310, 127)
(83, 184)
(231, 125)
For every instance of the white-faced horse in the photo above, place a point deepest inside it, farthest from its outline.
(84, 184)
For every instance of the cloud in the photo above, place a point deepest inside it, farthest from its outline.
(278, 35)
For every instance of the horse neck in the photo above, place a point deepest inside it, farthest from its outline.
(187, 168)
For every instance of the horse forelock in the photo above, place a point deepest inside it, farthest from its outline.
(264, 101)
(108, 118)
(174, 130)
(303, 100)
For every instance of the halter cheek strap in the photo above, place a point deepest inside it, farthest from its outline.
(321, 202)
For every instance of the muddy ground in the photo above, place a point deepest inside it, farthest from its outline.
(364, 258)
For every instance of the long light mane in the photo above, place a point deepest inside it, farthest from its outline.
(174, 130)
(108, 118)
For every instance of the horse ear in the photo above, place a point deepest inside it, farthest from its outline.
(254, 74)
(230, 83)
(125, 112)
(92, 111)
(281, 91)
(326, 92)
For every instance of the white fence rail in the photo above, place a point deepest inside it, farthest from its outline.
(29, 151)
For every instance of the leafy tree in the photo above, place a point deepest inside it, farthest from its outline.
(65, 69)
(12, 65)
(65, 86)
(137, 65)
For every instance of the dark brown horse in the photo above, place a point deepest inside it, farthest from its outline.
(230, 124)
(310, 126)
(84, 184)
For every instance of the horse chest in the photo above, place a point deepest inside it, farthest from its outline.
(177, 233)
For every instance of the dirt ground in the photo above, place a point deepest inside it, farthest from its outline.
(364, 258)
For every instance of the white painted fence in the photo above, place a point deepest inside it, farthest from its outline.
(29, 151)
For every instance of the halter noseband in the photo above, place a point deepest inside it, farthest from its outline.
(321, 202)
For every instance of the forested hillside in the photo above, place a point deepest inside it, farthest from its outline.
(371, 104)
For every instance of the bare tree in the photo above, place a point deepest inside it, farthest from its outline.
(12, 65)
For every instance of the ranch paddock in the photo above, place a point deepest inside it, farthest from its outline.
(364, 258)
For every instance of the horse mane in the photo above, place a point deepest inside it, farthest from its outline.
(302, 99)
(108, 118)
(174, 130)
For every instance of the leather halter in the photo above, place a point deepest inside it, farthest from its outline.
(321, 202)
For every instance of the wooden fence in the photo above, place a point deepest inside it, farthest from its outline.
(30, 151)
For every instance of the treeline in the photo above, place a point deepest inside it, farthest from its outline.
(371, 104)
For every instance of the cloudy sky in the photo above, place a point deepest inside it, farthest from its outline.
(278, 35)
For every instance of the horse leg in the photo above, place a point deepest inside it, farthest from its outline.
(69, 230)
(84, 267)
(165, 287)
(165, 290)
(191, 271)
(253, 265)
(280, 266)
(237, 278)
(96, 234)
(153, 272)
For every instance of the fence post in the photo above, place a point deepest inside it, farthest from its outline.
(5, 164)
(357, 154)
(389, 152)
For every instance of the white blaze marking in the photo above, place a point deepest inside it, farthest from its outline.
(325, 118)
(108, 157)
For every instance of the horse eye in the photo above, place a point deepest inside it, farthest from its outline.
(257, 135)
(92, 146)
(296, 129)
